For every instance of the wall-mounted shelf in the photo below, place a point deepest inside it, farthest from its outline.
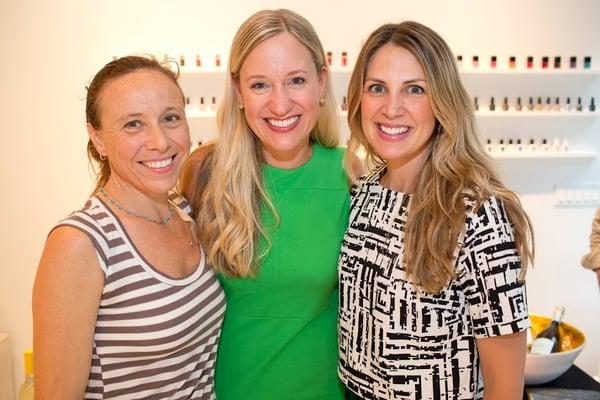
(536, 114)
(575, 155)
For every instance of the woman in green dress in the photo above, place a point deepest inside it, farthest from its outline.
(271, 202)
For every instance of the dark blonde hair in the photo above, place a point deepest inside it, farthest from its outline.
(458, 165)
(224, 180)
(113, 70)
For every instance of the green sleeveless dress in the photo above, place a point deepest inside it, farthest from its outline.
(279, 337)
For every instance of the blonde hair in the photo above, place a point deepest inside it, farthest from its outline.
(458, 165)
(224, 180)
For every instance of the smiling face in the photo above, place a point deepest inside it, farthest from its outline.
(143, 132)
(397, 118)
(280, 89)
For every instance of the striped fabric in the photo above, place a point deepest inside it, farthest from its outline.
(155, 337)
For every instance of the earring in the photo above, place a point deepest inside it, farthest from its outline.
(241, 106)
(102, 157)
(321, 101)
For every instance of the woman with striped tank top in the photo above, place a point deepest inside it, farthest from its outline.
(124, 304)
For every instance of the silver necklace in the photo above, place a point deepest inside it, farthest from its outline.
(126, 210)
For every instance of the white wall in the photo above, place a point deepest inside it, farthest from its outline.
(49, 50)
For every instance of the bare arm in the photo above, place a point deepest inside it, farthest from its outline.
(66, 296)
(503, 365)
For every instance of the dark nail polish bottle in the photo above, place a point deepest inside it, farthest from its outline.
(529, 62)
(587, 62)
(573, 62)
(544, 62)
(492, 105)
(459, 61)
(518, 107)
(557, 62)
(592, 105)
(476, 104)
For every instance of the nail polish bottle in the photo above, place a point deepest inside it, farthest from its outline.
(344, 58)
(568, 104)
(530, 104)
(475, 104)
(579, 106)
(544, 62)
(557, 62)
(217, 60)
(529, 62)
(202, 105)
(488, 146)
(564, 146)
(512, 62)
(198, 61)
(187, 102)
(344, 104)
(518, 107)
(592, 105)
(329, 58)
(573, 62)
(475, 61)
(548, 104)
(539, 106)
(459, 61)
(493, 62)
(492, 105)
(545, 145)
(213, 103)
(501, 147)
(519, 146)
(556, 147)
(531, 146)
(505, 104)
(181, 61)
(587, 62)
(510, 148)
(557, 104)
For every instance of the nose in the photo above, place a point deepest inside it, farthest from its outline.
(394, 106)
(156, 138)
(280, 102)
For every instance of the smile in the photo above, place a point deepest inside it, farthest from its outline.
(158, 164)
(283, 123)
(392, 130)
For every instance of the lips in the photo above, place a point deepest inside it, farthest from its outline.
(283, 125)
(392, 130)
(159, 164)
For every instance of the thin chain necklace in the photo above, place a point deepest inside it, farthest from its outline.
(126, 210)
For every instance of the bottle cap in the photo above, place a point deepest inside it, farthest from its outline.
(28, 361)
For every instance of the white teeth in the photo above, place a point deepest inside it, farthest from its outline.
(393, 131)
(159, 164)
(283, 123)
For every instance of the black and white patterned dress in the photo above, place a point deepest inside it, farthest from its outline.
(400, 343)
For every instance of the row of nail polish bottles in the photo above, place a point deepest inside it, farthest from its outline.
(543, 63)
(510, 145)
(202, 104)
(549, 105)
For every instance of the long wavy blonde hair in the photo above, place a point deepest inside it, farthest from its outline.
(223, 179)
(458, 164)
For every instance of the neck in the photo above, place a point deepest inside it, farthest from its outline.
(403, 175)
(289, 160)
(148, 204)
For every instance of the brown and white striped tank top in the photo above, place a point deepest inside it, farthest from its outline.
(156, 337)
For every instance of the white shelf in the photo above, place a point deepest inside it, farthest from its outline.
(544, 155)
(195, 113)
(532, 72)
(537, 114)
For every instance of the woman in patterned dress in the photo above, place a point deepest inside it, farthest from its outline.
(432, 297)
(124, 304)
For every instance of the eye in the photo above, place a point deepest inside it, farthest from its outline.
(415, 89)
(133, 124)
(172, 118)
(376, 88)
(258, 86)
(298, 80)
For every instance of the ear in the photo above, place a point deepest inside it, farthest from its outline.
(322, 82)
(238, 92)
(94, 136)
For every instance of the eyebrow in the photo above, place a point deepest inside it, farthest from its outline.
(405, 82)
(132, 115)
(259, 76)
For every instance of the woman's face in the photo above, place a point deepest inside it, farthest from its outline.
(144, 133)
(280, 90)
(397, 118)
